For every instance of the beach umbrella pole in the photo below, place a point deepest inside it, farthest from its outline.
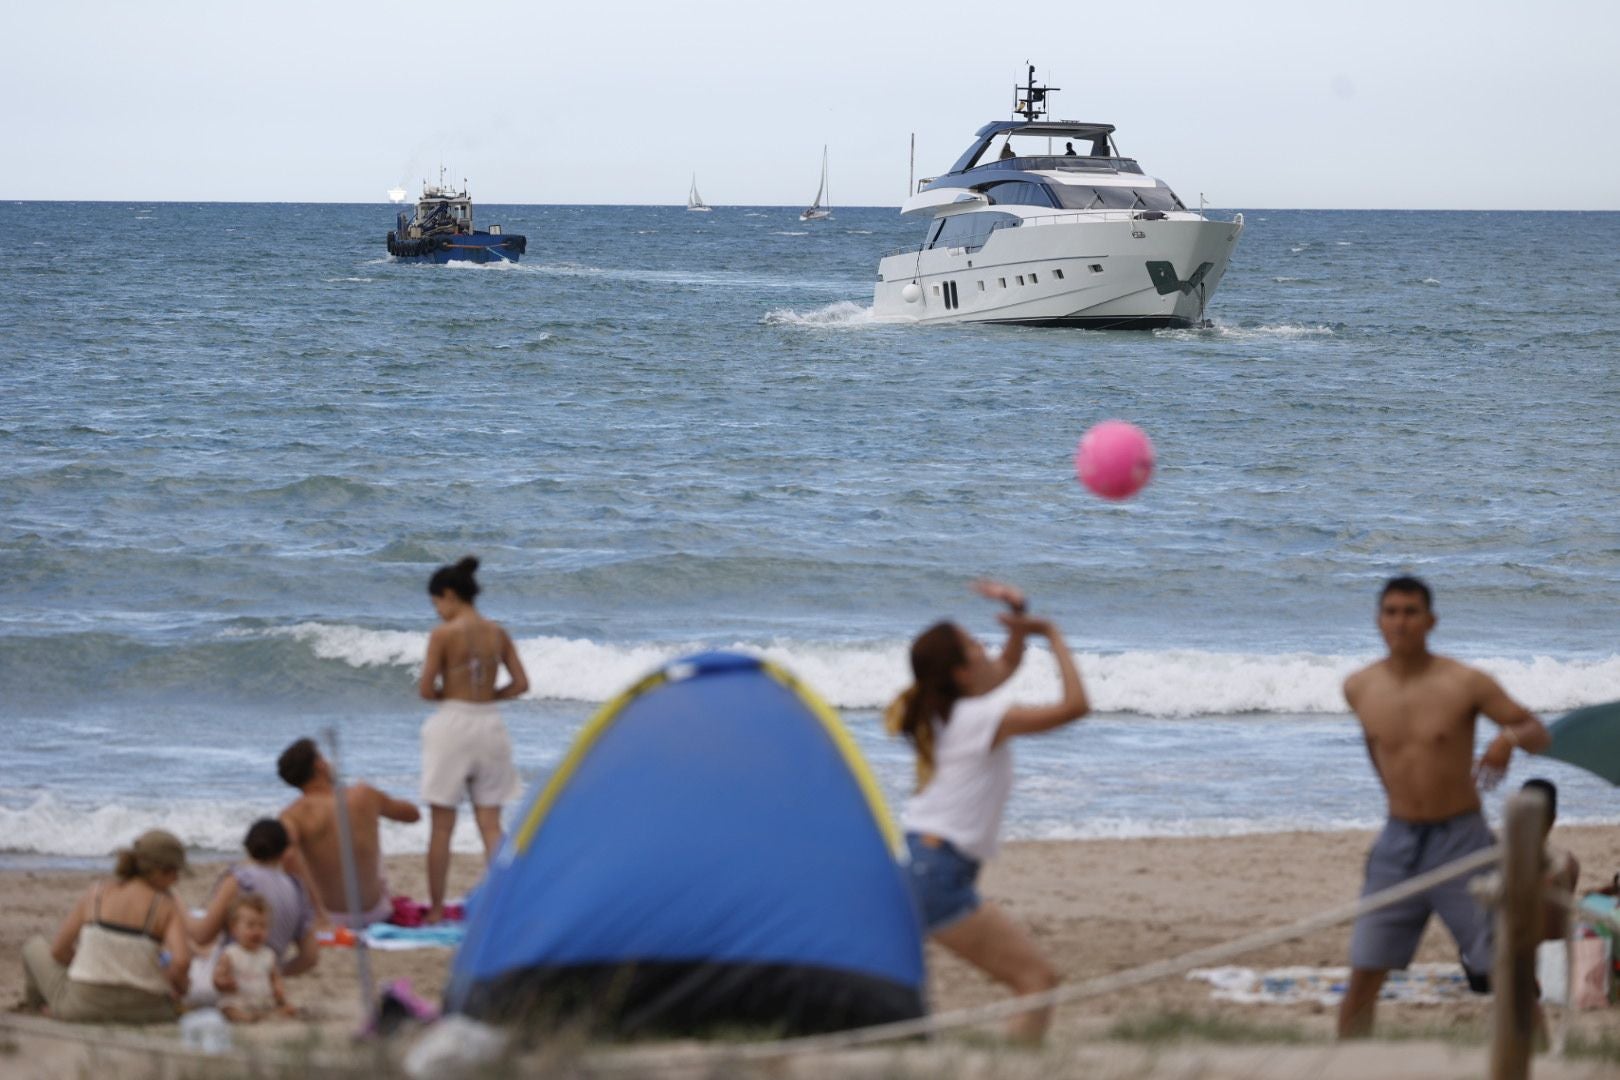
(351, 877)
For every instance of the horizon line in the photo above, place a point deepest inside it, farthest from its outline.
(797, 206)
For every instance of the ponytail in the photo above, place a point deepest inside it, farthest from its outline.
(128, 866)
(935, 656)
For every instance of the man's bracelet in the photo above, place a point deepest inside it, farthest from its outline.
(1019, 608)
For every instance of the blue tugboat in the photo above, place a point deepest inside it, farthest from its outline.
(442, 231)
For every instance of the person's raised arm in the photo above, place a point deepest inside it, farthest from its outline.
(432, 667)
(66, 941)
(206, 927)
(514, 667)
(1012, 653)
(1521, 730)
(1030, 719)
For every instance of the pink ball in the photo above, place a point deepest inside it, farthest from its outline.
(1114, 459)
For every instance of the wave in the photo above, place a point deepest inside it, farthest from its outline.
(53, 826)
(1170, 683)
(843, 314)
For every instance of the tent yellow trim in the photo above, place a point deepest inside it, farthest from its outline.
(846, 747)
(588, 735)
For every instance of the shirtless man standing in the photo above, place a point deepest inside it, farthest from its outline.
(315, 853)
(1417, 711)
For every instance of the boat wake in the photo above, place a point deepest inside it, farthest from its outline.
(842, 315)
(1245, 333)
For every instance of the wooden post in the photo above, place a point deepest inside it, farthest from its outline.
(1518, 931)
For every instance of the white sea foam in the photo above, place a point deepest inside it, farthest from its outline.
(49, 825)
(498, 264)
(1168, 683)
(843, 314)
(780, 232)
(1246, 333)
(1430, 281)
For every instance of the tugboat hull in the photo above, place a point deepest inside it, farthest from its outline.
(474, 247)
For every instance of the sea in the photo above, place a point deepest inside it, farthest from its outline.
(236, 440)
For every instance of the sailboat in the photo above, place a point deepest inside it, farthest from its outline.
(694, 201)
(822, 207)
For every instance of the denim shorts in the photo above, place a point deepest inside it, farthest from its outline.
(942, 882)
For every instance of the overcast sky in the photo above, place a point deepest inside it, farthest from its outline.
(1295, 103)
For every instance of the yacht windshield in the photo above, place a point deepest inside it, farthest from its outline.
(968, 230)
(1081, 197)
(1019, 193)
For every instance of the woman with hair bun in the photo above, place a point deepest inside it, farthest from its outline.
(121, 956)
(465, 747)
(962, 737)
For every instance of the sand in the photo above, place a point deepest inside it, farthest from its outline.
(1093, 907)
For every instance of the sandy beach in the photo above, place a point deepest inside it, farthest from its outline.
(1096, 907)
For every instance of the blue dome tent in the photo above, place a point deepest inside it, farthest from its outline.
(713, 853)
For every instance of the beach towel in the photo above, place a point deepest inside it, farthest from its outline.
(1420, 984)
(408, 912)
(386, 937)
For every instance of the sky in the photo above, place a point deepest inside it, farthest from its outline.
(1252, 103)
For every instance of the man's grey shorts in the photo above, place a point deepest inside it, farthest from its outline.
(1388, 938)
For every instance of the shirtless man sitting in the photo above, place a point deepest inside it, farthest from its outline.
(1417, 711)
(315, 854)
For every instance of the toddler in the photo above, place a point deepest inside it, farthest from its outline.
(248, 962)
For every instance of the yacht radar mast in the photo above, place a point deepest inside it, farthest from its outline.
(1029, 101)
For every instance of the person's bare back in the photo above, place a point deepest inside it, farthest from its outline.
(466, 654)
(316, 854)
(311, 820)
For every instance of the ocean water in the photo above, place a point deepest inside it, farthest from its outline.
(236, 439)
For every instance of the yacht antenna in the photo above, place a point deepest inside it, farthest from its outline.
(1029, 100)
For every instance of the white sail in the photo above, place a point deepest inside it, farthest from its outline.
(396, 194)
(822, 207)
(694, 201)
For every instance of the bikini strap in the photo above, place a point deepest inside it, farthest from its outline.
(151, 913)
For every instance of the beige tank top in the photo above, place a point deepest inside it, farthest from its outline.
(112, 955)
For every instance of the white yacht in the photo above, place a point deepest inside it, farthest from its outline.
(1059, 229)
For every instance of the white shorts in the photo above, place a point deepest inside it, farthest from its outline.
(466, 751)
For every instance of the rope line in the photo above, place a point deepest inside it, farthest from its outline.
(1000, 1010)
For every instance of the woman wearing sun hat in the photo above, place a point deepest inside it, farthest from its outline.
(121, 955)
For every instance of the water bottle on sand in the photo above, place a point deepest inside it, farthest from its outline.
(205, 1030)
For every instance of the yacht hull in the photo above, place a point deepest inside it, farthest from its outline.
(1125, 273)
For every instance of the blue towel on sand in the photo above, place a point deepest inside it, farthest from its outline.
(388, 937)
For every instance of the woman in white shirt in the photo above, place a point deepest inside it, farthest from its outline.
(964, 776)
